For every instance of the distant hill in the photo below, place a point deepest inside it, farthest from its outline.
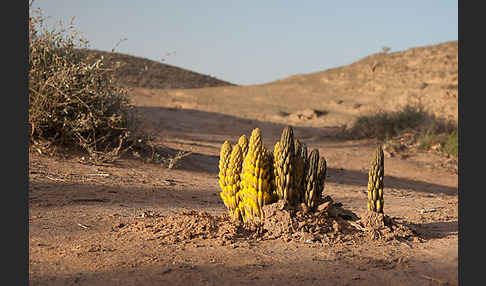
(426, 75)
(428, 64)
(421, 76)
(140, 72)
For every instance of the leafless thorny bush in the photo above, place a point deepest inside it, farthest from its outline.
(73, 101)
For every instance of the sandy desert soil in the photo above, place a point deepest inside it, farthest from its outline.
(135, 223)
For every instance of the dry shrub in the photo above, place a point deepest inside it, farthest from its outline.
(428, 129)
(382, 124)
(72, 101)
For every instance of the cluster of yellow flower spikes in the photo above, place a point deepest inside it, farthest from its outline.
(250, 176)
(246, 178)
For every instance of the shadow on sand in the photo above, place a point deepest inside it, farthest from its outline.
(214, 128)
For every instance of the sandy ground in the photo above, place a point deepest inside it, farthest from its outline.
(134, 223)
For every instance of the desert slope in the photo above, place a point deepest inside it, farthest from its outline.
(425, 76)
(422, 75)
(140, 72)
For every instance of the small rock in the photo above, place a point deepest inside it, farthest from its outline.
(324, 206)
(388, 154)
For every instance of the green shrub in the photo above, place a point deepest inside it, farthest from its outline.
(438, 132)
(451, 144)
(382, 125)
(447, 142)
(429, 131)
(73, 102)
(427, 139)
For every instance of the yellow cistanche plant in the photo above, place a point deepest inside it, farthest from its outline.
(311, 180)
(284, 165)
(233, 183)
(256, 176)
(375, 182)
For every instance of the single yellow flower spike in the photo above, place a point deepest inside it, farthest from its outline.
(224, 157)
(277, 160)
(233, 181)
(243, 142)
(322, 171)
(311, 181)
(300, 159)
(285, 167)
(256, 176)
(375, 182)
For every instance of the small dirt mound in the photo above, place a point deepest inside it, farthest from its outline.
(329, 222)
(382, 227)
(187, 226)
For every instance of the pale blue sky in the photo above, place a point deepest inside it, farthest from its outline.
(254, 42)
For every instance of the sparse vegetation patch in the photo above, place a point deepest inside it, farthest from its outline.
(382, 125)
(429, 131)
(72, 100)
